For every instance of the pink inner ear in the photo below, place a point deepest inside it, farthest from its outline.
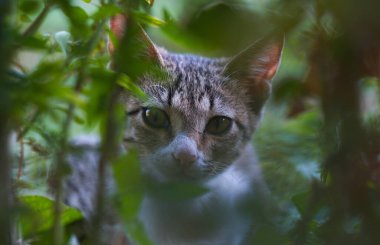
(271, 71)
(265, 67)
(117, 25)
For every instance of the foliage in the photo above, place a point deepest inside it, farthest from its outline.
(322, 120)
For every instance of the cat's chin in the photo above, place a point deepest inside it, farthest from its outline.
(178, 177)
(176, 190)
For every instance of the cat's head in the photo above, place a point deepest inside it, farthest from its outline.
(202, 113)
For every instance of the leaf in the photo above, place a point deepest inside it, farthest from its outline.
(130, 185)
(148, 19)
(128, 179)
(33, 42)
(40, 214)
(87, 1)
(25, 18)
(126, 83)
(301, 200)
(79, 14)
(79, 22)
(29, 6)
(150, 2)
(106, 11)
(179, 190)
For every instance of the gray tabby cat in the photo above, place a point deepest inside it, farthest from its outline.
(196, 127)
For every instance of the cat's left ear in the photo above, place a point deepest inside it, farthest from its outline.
(255, 67)
(118, 27)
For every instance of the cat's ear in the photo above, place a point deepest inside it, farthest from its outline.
(118, 28)
(255, 67)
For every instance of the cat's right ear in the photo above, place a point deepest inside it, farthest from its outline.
(119, 27)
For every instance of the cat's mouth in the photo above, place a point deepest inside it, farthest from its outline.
(175, 174)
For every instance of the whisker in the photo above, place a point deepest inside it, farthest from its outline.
(215, 167)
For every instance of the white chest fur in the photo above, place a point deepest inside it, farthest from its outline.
(222, 216)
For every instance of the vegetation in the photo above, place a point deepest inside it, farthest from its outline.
(319, 141)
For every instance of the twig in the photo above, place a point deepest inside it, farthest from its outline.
(37, 22)
(57, 228)
(5, 110)
(32, 120)
(107, 150)
(21, 158)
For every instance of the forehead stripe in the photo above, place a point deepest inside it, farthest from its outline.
(172, 89)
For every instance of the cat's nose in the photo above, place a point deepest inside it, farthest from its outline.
(185, 156)
(185, 151)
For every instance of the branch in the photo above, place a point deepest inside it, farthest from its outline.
(37, 22)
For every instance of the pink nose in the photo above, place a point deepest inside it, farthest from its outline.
(185, 151)
(185, 156)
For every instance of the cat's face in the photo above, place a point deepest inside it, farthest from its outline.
(200, 116)
(194, 123)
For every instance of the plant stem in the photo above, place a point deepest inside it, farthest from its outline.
(60, 157)
(37, 22)
(5, 158)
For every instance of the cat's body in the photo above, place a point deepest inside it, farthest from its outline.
(196, 128)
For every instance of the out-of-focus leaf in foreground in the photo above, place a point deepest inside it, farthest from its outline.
(39, 214)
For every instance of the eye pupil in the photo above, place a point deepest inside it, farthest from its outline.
(219, 125)
(155, 118)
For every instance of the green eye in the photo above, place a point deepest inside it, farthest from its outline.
(218, 125)
(155, 118)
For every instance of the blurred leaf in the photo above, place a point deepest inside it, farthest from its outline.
(40, 214)
(79, 14)
(179, 34)
(268, 235)
(32, 42)
(301, 201)
(178, 190)
(79, 21)
(106, 11)
(131, 188)
(148, 19)
(126, 83)
(29, 6)
(150, 2)
(217, 24)
(45, 69)
(87, 1)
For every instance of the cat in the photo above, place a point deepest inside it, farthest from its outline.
(196, 127)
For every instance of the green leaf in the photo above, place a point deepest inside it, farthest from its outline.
(128, 179)
(39, 215)
(79, 22)
(125, 82)
(301, 200)
(87, 1)
(106, 11)
(179, 190)
(130, 185)
(150, 2)
(33, 42)
(148, 19)
(79, 14)
(30, 6)
(25, 18)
